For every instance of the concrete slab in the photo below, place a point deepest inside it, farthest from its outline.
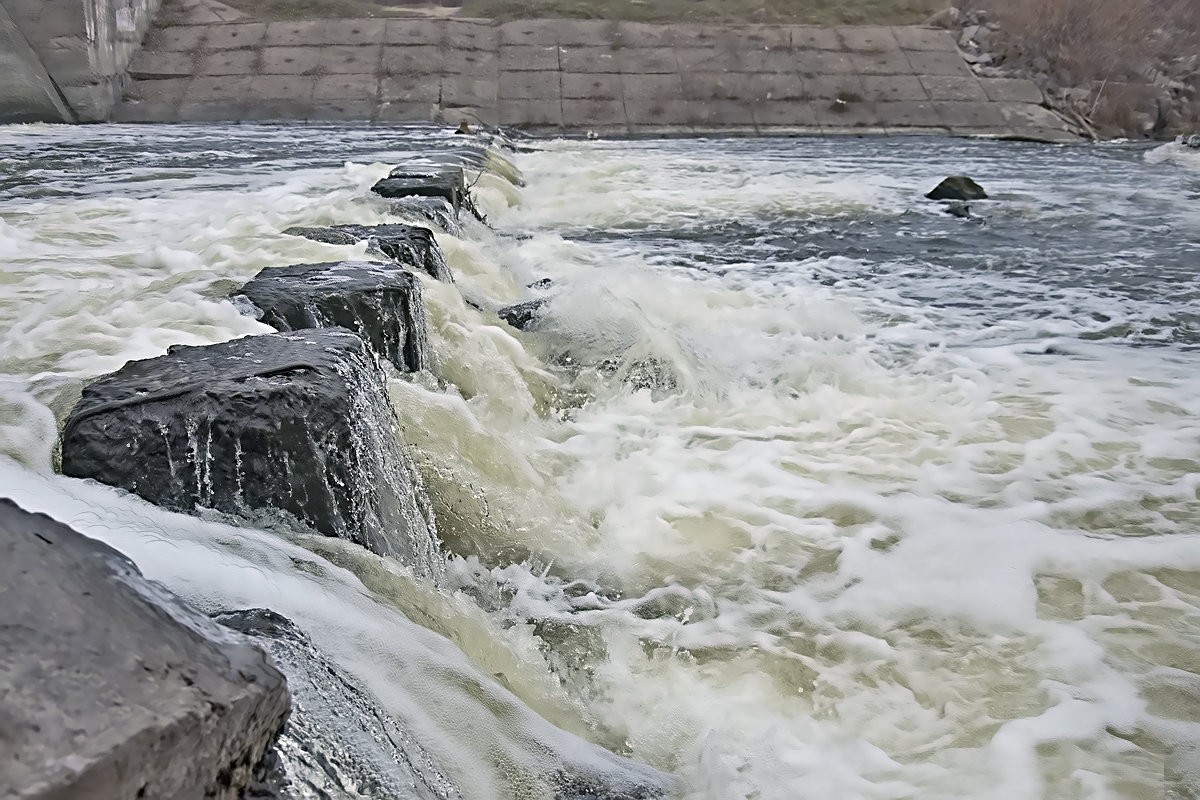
(150, 65)
(1012, 90)
(846, 115)
(347, 87)
(954, 88)
(293, 34)
(589, 60)
(765, 37)
(925, 62)
(533, 58)
(785, 114)
(884, 62)
(824, 62)
(530, 86)
(657, 112)
(353, 32)
(691, 59)
(459, 90)
(353, 59)
(229, 62)
(530, 33)
(908, 114)
(291, 88)
(227, 89)
(412, 59)
(696, 35)
(229, 37)
(646, 60)
(811, 37)
(892, 88)
(166, 92)
(586, 32)
(642, 34)
(868, 38)
(400, 111)
(175, 39)
(337, 110)
(275, 109)
(972, 115)
(1050, 135)
(592, 114)
(921, 38)
(717, 113)
(289, 60)
(461, 35)
(1029, 115)
(835, 87)
(651, 87)
(143, 111)
(531, 113)
(781, 61)
(472, 116)
(478, 63)
(595, 86)
(417, 31)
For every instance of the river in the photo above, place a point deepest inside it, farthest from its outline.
(801, 488)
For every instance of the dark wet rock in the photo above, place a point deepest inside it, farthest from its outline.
(524, 315)
(541, 284)
(957, 187)
(111, 687)
(436, 211)
(1192, 141)
(958, 208)
(378, 301)
(446, 183)
(338, 742)
(278, 428)
(407, 245)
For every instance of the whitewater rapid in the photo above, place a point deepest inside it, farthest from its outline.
(801, 488)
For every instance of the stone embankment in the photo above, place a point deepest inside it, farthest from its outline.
(579, 76)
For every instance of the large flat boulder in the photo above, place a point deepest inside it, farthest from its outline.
(278, 429)
(447, 183)
(110, 687)
(378, 301)
(407, 245)
(435, 211)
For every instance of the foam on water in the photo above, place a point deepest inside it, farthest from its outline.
(800, 488)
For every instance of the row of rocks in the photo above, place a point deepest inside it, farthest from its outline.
(292, 429)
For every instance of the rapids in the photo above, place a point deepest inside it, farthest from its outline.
(801, 488)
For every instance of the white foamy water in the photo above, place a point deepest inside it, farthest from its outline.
(800, 488)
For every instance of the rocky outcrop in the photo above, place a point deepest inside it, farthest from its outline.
(435, 211)
(110, 687)
(524, 315)
(957, 187)
(407, 245)
(379, 302)
(446, 183)
(277, 429)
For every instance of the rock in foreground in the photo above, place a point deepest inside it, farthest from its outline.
(957, 187)
(407, 245)
(110, 687)
(447, 184)
(378, 301)
(273, 428)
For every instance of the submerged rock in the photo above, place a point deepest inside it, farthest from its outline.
(277, 428)
(957, 187)
(407, 245)
(338, 742)
(446, 183)
(379, 302)
(436, 211)
(111, 687)
(1192, 141)
(524, 315)
(958, 208)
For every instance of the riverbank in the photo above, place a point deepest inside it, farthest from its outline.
(580, 77)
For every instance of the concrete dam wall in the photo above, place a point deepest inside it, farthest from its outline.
(66, 60)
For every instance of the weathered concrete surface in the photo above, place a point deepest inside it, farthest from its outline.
(573, 76)
(110, 687)
(81, 47)
(27, 92)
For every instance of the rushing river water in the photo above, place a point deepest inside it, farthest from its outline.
(801, 488)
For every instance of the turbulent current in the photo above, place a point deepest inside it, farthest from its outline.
(797, 487)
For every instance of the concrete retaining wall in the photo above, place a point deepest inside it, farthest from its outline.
(69, 56)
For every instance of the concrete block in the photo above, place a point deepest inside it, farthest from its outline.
(411, 88)
(972, 115)
(1048, 135)
(275, 88)
(785, 114)
(162, 65)
(351, 59)
(222, 89)
(593, 114)
(531, 113)
(415, 30)
(349, 87)
(594, 86)
(768, 61)
(167, 92)
(909, 114)
(711, 59)
(294, 34)
(885, 62)
(229, 62)
(849, 115)
(954, 88)
(589, 32)
(717, 113)
(143, 111)
(664, 112)
(400, 111)
(175, 39)
(275, 109)
(1028, 115)
(937, 63)
(824, 62)
(532, 58)
(530, 33)
(765, 37)
(462, 90)
(1012, 90)
(463, 35)
(697, 35)
(868, 38)
(412, 60)
(651, 87)
(642, 34)
(353, 31)
(811, 37)
(736, 86)
(930, 39)
(223, 110)
(231, 37)
(477, 63)
(835, 87)
(589, 60)
(647, 60)
(471, 115)
(289, 60)
(530, 86)
(892, 88)
(338, 110)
